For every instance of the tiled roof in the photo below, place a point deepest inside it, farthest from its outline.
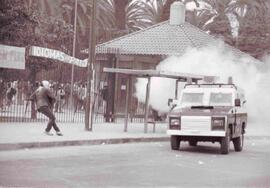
(163, 39)
(160, 39)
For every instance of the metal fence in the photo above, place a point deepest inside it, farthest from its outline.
(16, 107)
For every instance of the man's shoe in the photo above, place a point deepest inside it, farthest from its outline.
(48, 133)
(59, 133)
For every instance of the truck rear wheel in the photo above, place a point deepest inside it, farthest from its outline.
(175, 142)
(238, 143)
(225, 144)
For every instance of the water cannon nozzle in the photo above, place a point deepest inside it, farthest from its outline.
(230, 80)
(189, 80)
(209, 79)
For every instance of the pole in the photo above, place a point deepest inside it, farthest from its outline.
(148, 86)
(73, 51)
(127, 104)
(90, 70)
(176, 89)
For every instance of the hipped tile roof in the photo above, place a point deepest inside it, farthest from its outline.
(161, 39)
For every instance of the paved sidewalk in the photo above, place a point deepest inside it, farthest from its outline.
(31, 135)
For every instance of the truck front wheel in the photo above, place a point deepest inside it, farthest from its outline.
(238, 143)
(175, 142)
(193, 143)
(225, 144)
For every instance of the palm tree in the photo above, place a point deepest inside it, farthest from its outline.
(142, 14)
(105, 18)
(47, 7)
(214, 18)
(165, 11)
(254, 26)
(242, 7)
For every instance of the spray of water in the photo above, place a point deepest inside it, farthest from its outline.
(252, 76)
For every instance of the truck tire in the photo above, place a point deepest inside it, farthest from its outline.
(175, 142)
(193, 143)
(238, 143)
(225, 144)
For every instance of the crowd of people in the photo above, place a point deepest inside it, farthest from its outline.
(18, 92)
(15, 95)
(13, 92)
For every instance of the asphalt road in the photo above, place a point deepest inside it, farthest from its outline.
(138, 165)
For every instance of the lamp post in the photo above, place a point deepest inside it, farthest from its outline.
(90, 71)
(73, 51)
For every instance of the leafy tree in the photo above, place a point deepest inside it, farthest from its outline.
(26, 26)
(105, 19)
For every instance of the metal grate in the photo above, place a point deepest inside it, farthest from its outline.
(199, 123)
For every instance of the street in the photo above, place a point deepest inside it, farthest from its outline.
(138, 165)
(92, 91)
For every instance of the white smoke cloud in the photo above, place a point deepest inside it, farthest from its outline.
(160, 91)
(250, 75)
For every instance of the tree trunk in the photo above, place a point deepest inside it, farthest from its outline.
(120, 13)
(166, 10)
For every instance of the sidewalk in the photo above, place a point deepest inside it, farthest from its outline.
(31, 135)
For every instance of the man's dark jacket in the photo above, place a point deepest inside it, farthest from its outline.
(43, 97)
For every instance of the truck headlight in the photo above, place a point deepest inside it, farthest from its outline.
(175, 123)
(218, 123)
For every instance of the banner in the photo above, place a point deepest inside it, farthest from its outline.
(56, 55)
(12, 57)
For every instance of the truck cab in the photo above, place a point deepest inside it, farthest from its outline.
(209, 112)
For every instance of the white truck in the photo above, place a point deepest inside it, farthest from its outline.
(209, 112)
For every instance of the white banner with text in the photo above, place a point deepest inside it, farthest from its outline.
(12, 57)
(56, 55)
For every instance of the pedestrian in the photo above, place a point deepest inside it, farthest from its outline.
(60, 94)
(45, 100)
(11, 92)
(83, 97)
(2, 94)
(20, 92)
(62, 97)
(67, 89)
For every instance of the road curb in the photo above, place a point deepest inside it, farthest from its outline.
(31, 145)
(257, 137)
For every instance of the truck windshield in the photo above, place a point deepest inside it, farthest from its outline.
(192, 99)
(220, 99)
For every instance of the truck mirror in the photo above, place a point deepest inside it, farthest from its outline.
(237, 102)
(170, 101)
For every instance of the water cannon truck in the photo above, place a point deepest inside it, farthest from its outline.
(209, 112)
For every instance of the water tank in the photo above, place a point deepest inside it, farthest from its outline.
(177, 13)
